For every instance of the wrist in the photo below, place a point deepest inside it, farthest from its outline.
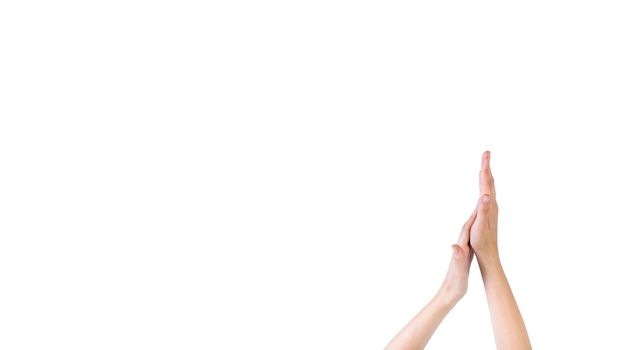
(488, 258)
(490, 267)
(448, 295)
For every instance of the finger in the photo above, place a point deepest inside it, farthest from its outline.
(483, 206)
(458, 253)
(465, 233)
(486, 181)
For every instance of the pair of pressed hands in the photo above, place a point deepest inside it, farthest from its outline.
(478, 237)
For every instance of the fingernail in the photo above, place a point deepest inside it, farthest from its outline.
(485, 199)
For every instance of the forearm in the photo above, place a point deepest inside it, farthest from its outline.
(416, 334)
(507, 322)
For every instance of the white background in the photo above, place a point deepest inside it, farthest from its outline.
(291, 175)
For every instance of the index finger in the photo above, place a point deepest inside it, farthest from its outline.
(486, 181)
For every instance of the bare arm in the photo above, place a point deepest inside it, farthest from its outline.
(507, 322)
(416, 334)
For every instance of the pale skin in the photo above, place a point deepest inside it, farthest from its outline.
(478, 237)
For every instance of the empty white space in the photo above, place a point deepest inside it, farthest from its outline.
(291, 174)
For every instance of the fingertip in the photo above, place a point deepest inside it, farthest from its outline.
(485, 159)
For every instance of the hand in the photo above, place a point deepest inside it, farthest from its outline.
(507, 322)
(457, 278)
(416, 334)
(484, 231)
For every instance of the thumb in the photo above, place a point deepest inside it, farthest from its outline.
(484, 204)
(457, 251)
